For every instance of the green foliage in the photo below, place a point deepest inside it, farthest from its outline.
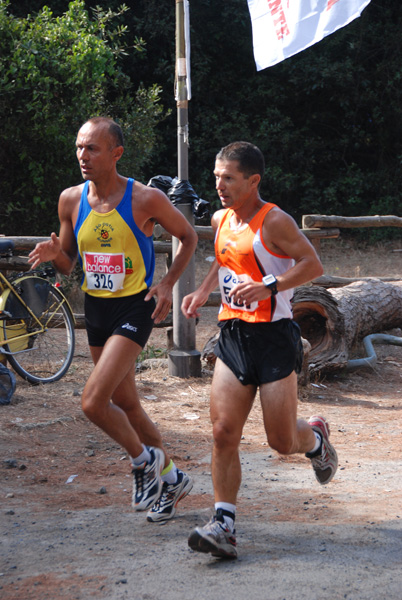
(55, 73)
(150, 351)
(328, 120)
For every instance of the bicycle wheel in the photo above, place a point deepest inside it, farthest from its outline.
(45, 356)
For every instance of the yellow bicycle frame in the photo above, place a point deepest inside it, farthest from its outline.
(18, 331)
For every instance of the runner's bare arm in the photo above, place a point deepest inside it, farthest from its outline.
(62, 249)
(171, 219)
(283, 237)
(192, 302)
(281, 232)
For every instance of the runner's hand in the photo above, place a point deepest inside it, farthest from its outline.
(164, 295)
(45, 251)
(249, 291)
(191, 303)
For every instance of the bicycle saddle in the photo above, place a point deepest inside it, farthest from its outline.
(6, 245)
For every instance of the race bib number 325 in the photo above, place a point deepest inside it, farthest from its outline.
(104, 271)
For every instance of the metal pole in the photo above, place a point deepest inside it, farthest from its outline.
(184, 359)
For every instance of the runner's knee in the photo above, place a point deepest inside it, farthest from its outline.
(225, 436)
(282, 444)
(91, 408)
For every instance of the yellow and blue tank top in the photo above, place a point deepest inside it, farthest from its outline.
(243, 256)
(117, 258)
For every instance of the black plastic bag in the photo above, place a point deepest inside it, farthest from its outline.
(180, 191)
(161, 182)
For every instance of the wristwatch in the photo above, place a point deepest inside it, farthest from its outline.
(270, 282)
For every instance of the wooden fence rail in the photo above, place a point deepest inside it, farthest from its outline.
(162, 244)
(26, 244)
(320, 222)
(348, 222)
(207, 233)
(314, 227)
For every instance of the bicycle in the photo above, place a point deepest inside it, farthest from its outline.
(37, 334)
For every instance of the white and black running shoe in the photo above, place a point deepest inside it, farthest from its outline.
(165, 506)
(147, 480)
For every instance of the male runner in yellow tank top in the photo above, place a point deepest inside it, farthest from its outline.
(261, 255)
(107, 223)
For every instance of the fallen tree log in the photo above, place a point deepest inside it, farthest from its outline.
(335, 320)
(325, 281)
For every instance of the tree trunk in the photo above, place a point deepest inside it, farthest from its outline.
(334, 321)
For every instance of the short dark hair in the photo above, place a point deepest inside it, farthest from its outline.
(114, 129)
(250, 158)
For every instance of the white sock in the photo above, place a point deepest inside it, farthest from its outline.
(169, 473)
(143, 457)
(229, 507)
(318, 442)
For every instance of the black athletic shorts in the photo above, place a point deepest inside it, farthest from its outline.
(260, 353)
(129, 316)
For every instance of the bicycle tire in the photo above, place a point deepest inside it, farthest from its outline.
(46, 356)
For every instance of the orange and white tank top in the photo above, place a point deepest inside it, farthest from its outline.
(243, 256)
(117, 258)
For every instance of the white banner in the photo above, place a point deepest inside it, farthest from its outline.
(282, 28)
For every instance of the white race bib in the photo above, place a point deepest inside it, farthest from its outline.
(228, 279)
(104, 271)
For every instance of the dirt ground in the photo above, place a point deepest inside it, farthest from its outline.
(68, 530)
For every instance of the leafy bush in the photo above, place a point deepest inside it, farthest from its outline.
(328, 120)
(55, 73)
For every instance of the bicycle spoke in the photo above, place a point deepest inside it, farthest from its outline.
(45, 354)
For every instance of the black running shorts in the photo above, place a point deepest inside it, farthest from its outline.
(260, 353)
(129, 316)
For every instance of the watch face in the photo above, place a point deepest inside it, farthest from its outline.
(269, 280)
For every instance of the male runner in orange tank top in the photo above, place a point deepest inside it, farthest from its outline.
(261, 255)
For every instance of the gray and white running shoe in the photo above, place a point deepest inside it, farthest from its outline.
(325, 462)
(215, 537)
